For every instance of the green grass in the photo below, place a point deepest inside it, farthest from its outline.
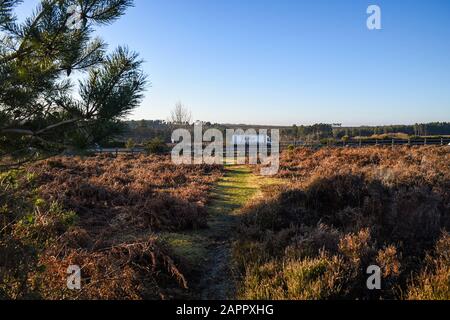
(207, 252)
(233, 191)
(191, 247)
(228, 196)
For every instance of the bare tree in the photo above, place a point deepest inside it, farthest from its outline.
(180, 115)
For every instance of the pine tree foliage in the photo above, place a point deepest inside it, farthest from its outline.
(40, 109)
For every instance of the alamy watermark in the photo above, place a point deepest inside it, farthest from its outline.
(374, 19)
(74, 277)
(374, 280)
(75, 20)
(238, 146)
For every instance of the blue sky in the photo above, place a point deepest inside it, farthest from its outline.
(284, 62)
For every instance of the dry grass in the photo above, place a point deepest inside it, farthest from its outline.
(342, 210)
(103, 214)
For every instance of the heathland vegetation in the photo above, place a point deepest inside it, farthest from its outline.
(339, 211)
(141, 227)
(105, 215)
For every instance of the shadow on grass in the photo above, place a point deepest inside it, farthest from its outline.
(232, 192)
(338, 226)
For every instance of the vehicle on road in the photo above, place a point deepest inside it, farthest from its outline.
(247, 139)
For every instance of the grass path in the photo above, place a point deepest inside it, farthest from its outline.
(208, 251)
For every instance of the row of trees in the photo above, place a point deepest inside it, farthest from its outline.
(144, 130)
(324, 131)
(317, 131)
(425, 129)
(39, 112)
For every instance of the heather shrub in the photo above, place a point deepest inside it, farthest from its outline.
(361, 207)
(102, 214)
(129, 271)
(263, 282)
(306, 279)
(145, 192)
(433, 283)
(314, 278)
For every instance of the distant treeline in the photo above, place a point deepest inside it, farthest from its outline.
(143, 131)
(323, 131)
(427, 129)
(146, 130)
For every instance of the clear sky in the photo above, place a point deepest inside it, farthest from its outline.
(284, 62)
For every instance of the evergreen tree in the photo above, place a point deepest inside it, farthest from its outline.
(39, 113)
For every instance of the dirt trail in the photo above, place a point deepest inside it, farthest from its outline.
(208, 251)
(237, 187)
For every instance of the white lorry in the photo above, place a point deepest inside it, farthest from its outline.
(251, 139)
